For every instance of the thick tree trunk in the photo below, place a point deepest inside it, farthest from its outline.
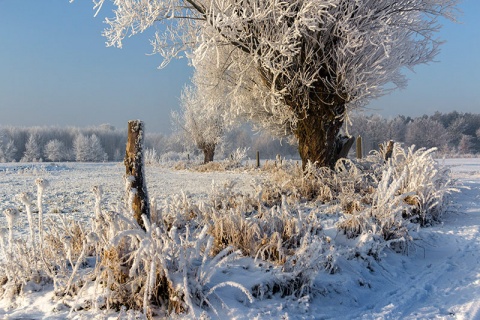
(135, 172)
(208, 152)
(317, 136)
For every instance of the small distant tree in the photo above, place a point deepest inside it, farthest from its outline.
(456, 129)
(201, 121)
(81, 148)
(88, 148)
(33, 151)
(466, 144)
(97, 153)
(7, 151)
(54, 150)
(396, 129)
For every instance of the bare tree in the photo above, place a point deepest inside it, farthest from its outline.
(297, 66)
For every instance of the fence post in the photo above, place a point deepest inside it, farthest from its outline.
(258, 159)
(359, 147)
(134, 164)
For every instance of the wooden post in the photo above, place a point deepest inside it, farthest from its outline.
(359, 147)
(134, 171)
(258, 159)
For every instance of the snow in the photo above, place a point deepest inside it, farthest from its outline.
(438, 279)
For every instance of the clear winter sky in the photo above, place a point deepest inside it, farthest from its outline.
(56, 70)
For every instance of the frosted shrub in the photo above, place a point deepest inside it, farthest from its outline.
(25, 266)
(270, 233)
(26, 199)
(198, 268)
(159, 271)
(425, 184)
(234, 161)
(373, 195)
(237, 157)
(409, 189)
(135, 267)
(301, 267)
(212, 166)
(321, 185)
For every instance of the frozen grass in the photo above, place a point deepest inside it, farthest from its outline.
(292, 226)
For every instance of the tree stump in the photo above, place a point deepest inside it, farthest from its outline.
(134, 164)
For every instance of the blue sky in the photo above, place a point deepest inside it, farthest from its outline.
(56, 70)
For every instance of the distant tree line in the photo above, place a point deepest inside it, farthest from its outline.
(105, 143)
(452, 133)
(35, 144)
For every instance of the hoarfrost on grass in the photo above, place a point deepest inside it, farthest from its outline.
(280, 239)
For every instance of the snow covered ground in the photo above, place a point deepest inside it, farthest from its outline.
(440, 278)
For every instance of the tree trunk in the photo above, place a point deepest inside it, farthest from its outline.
(208, 152)
(135, 173)
(317, 136)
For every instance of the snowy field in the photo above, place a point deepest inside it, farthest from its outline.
(72, 184)
(438, 279)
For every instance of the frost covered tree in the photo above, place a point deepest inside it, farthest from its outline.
(7, 151)
(200, 121)
(88, 148)
(427, 133)
(33, 152)
(465, 146)
(81, 148)
(296, 66)
(54, 150)
(396, 129)
(7, 148)
(456, 129)
(97, 153)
